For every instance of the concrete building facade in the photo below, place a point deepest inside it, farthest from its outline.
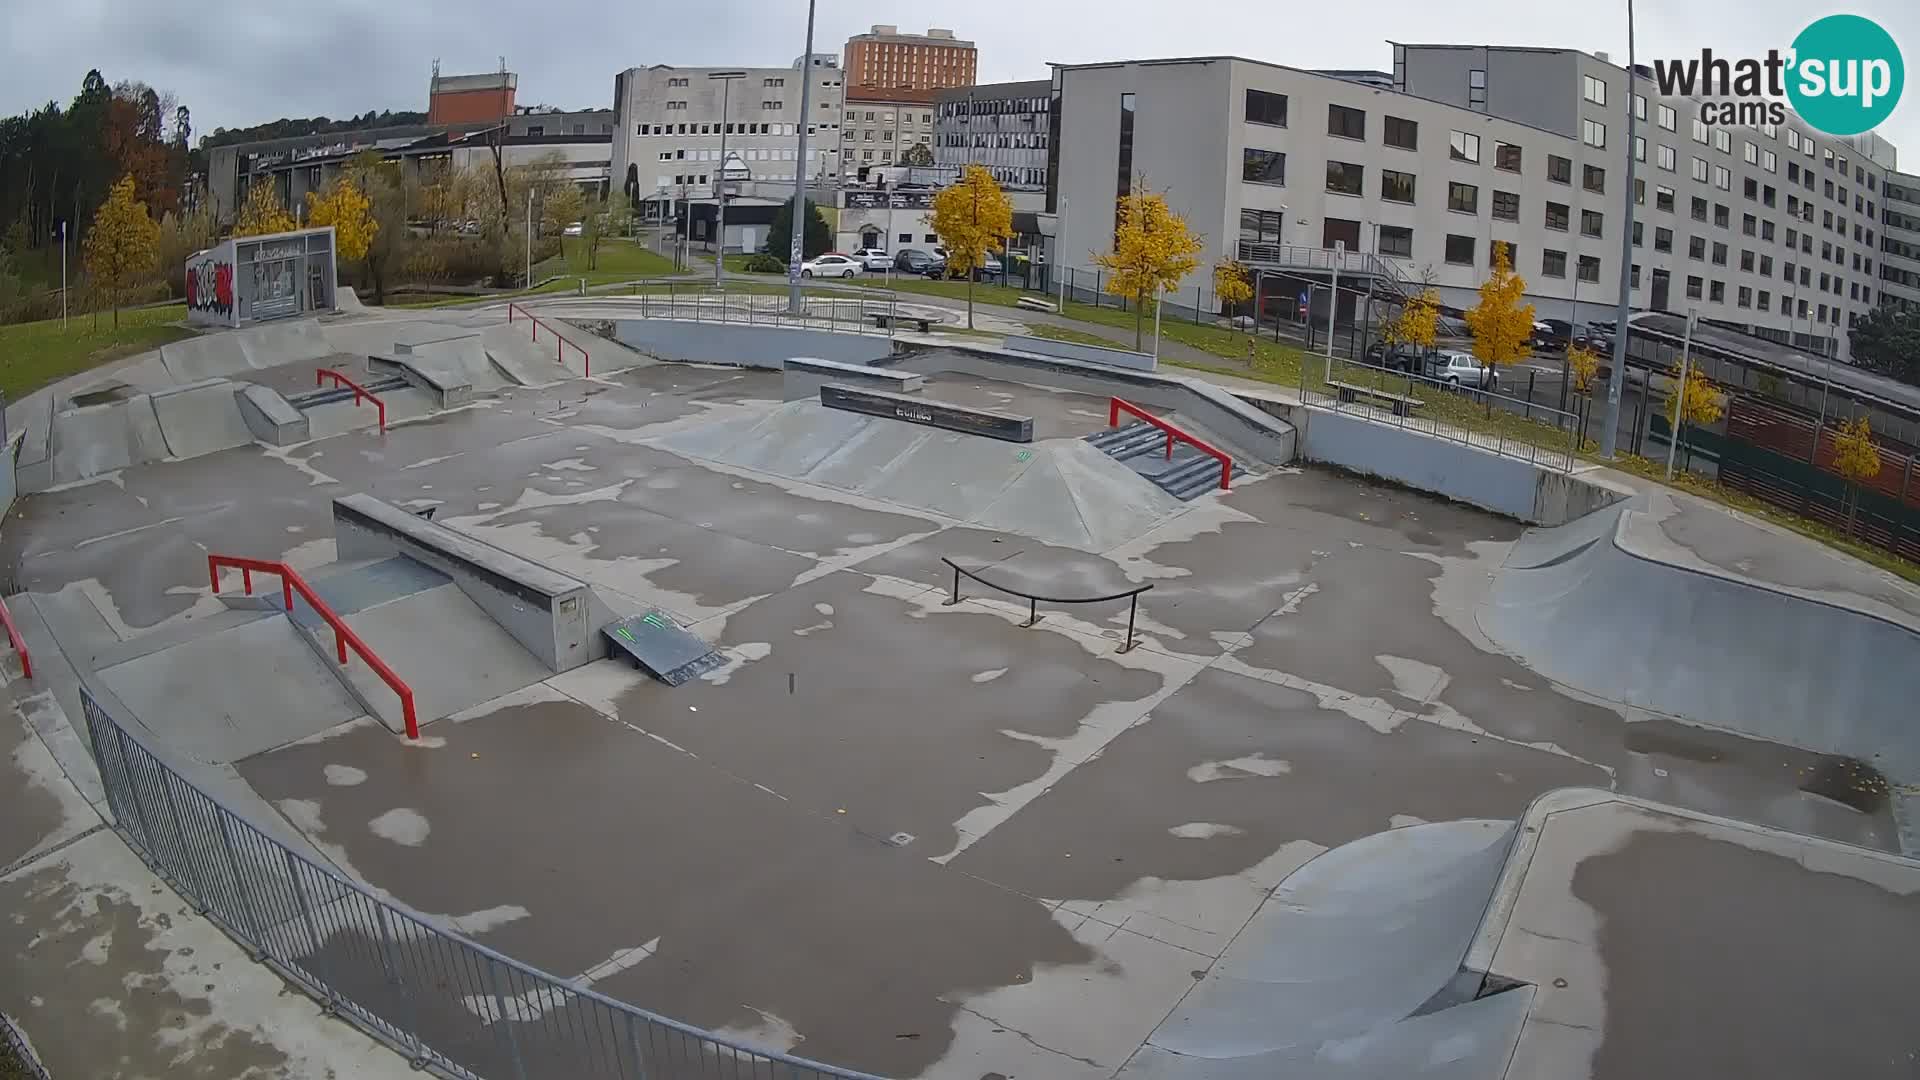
(469, 99)
(882, 125)
(1771, 230)
(1900, 240)
(885, 57)
(668, 125)
(1000, 125)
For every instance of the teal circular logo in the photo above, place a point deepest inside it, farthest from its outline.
(1846, 74)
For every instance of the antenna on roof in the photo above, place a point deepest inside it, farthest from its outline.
(503, 65)
(436, 67)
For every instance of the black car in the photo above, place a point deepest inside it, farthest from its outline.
(1395, 357)
(915, 261)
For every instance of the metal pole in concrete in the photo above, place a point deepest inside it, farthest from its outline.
(800, 171)
(1333, 299)
(1157, 295)
(725, 79)
(1059, 248)
(529, 238)
(1680, 413)
(1609, 437)
(63, 275)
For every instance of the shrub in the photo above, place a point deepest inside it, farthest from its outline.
(763, 263)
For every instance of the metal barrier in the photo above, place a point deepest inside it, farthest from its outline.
(1386, 396)
(1132, 596)
(13, 1043)
(320, 379)
(1115, 406)
(836, 315)
(446, 1002)
(18, 642)
(561, 342)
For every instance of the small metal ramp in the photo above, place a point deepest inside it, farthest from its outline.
(660, 647)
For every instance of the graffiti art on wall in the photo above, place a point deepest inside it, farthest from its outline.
(210, 287)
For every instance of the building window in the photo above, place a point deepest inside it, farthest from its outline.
(1477, 89)
(1589, 268)
(1665, 116)
(1593, 133)
(1633, 272)
(1261, 226)
(1396, 240)
(1638, 240)
(1699, 130)
(1346, 123)
(1506, 156)
(1723, 141)
(1506, 206)
(1769, 161)
(1591, 222)
(1593, 90)
(1559, 169)
(1769, 196)
(1463, 147)
(1743, 297)
(1464, 198)
(1698, 210)
(1695, 285)
(1404, 134)
(1662, 239)
(1722, 215)
(1639, 148)
(1263, 167)
(1764, 301)
(1396, 186)
(1700, 169)
(1125, 178)
(1697, 248)
(1594, 179)
(1766, 266)
(1553, 263)
(1265, 108)
(1459, 249)
(1639, 107)
(1722, 179)
(1717, 292)
(1663, 199)
(1719, 254)
(1664, 157)
(1344, 177)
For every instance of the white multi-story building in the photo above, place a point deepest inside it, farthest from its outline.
(1900, 240)
(881, 126)
(668, 127)
(1769, 229)
(1002, 126)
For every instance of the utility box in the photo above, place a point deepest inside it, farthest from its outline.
(250, 279)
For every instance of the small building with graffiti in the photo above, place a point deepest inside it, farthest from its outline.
(250, 279)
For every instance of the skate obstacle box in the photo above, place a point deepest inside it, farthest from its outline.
(661, 648)
(919, 410)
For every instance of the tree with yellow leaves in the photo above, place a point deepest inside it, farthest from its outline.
(121, 244)
(1693, 402)
(1501, 324)
(1232, 284)
(261, 212)
(972, 218)
(345, 206)
(1418, 322)
(1152, 252)
(1856, 458)
(1582, 365)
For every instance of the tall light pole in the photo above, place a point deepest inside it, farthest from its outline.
(1617, 378)
(1680, 412)
(725, 79)
(529, 237)
(63, 274)
(800, 171)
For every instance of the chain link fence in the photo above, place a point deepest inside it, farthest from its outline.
(446, 1002)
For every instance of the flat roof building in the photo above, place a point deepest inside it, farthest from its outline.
(885, 57)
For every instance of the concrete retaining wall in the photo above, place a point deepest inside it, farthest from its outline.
(549, 613)
(1073, 350)
(746, 346)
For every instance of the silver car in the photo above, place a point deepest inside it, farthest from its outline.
(1457, 368)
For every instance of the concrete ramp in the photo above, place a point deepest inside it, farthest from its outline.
(215, 354)
(1582, 609)
(449, 651)
(100, 439)
(517, 358)
(202, 418)
(459, 354)
(287, 341)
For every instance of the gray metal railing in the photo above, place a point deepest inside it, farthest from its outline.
(1513, 427)
(13, 1043)
(673, 300)
(1302, 257)
(446, 1002)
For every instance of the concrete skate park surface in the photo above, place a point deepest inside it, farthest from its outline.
(912, 837)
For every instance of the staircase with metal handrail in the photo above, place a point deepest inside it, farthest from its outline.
(1387, 275)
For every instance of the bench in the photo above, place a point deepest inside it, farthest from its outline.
(1034, 303)
(883, 320)
(1351, 392)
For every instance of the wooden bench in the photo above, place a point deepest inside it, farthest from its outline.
(1350, 392)
(882, 320)
(1034, 303)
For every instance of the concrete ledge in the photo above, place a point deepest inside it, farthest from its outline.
(449, 389)
(271, 418)
(805, 375)
(965, 419)
(545, 610)
(1073, 350)
(744, 345)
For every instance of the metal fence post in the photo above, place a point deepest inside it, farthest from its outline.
(633, 1039)
(313, 933)
(190, 872)
(248, 912)
(506, 1023)
(139, 806)
(390, 959)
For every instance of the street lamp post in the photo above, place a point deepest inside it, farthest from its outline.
(1616, 379)
(63, 274)
(529, 237)
(725, 79)
(800, 172)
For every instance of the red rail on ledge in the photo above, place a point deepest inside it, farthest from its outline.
(343, 635)
(320, 379)
(562, 344)
(1116, 406)
(19, 643)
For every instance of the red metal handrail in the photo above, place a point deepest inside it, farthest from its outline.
(564, 343)
(1116, 406)
(19, 643)
(320, 379)
(343, 635)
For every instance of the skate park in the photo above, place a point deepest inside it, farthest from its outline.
(1467, 768)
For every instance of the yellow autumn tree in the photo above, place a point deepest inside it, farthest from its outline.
(345, 206)
(1856, 458)
(972, 218)
(1418, 322)
(261, 212)
(1152, 251)
(1582, 365)
(1694, 402)
(121, 245)
(1501, 324)
(1232, 284)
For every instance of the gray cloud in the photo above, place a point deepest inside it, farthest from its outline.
(238, 64)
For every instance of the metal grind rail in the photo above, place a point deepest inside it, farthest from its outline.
(1116, 406)
(18, 642)
(561, 342)
(343, 635)
(1132, 596)
(320, 379)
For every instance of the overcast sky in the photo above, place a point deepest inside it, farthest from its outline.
(235, 64)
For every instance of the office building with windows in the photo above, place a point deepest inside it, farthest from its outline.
(1900, 240)
(885, 57)
(881, 126)
(1002, 126)
(1772, 230)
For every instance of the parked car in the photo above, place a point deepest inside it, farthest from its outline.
(574, 229)
(914, 261)
(1396, 357)
(1457, 368)
(873, 260)
(830, 265)
(989, 269)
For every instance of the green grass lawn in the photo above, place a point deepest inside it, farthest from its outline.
(617, 260)
(37, 353)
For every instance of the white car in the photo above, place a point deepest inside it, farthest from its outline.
(830, 265)
(1462, 369)
(574, 229)
(873, 259)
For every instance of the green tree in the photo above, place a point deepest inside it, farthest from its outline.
(390, 245)
(181, 235)
(973, 219)
(121, 245)
(611, 217)
(817, 239)
(1887, 341)
(917, 154)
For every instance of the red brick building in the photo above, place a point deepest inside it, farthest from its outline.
(469, 99)
(885, 57)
